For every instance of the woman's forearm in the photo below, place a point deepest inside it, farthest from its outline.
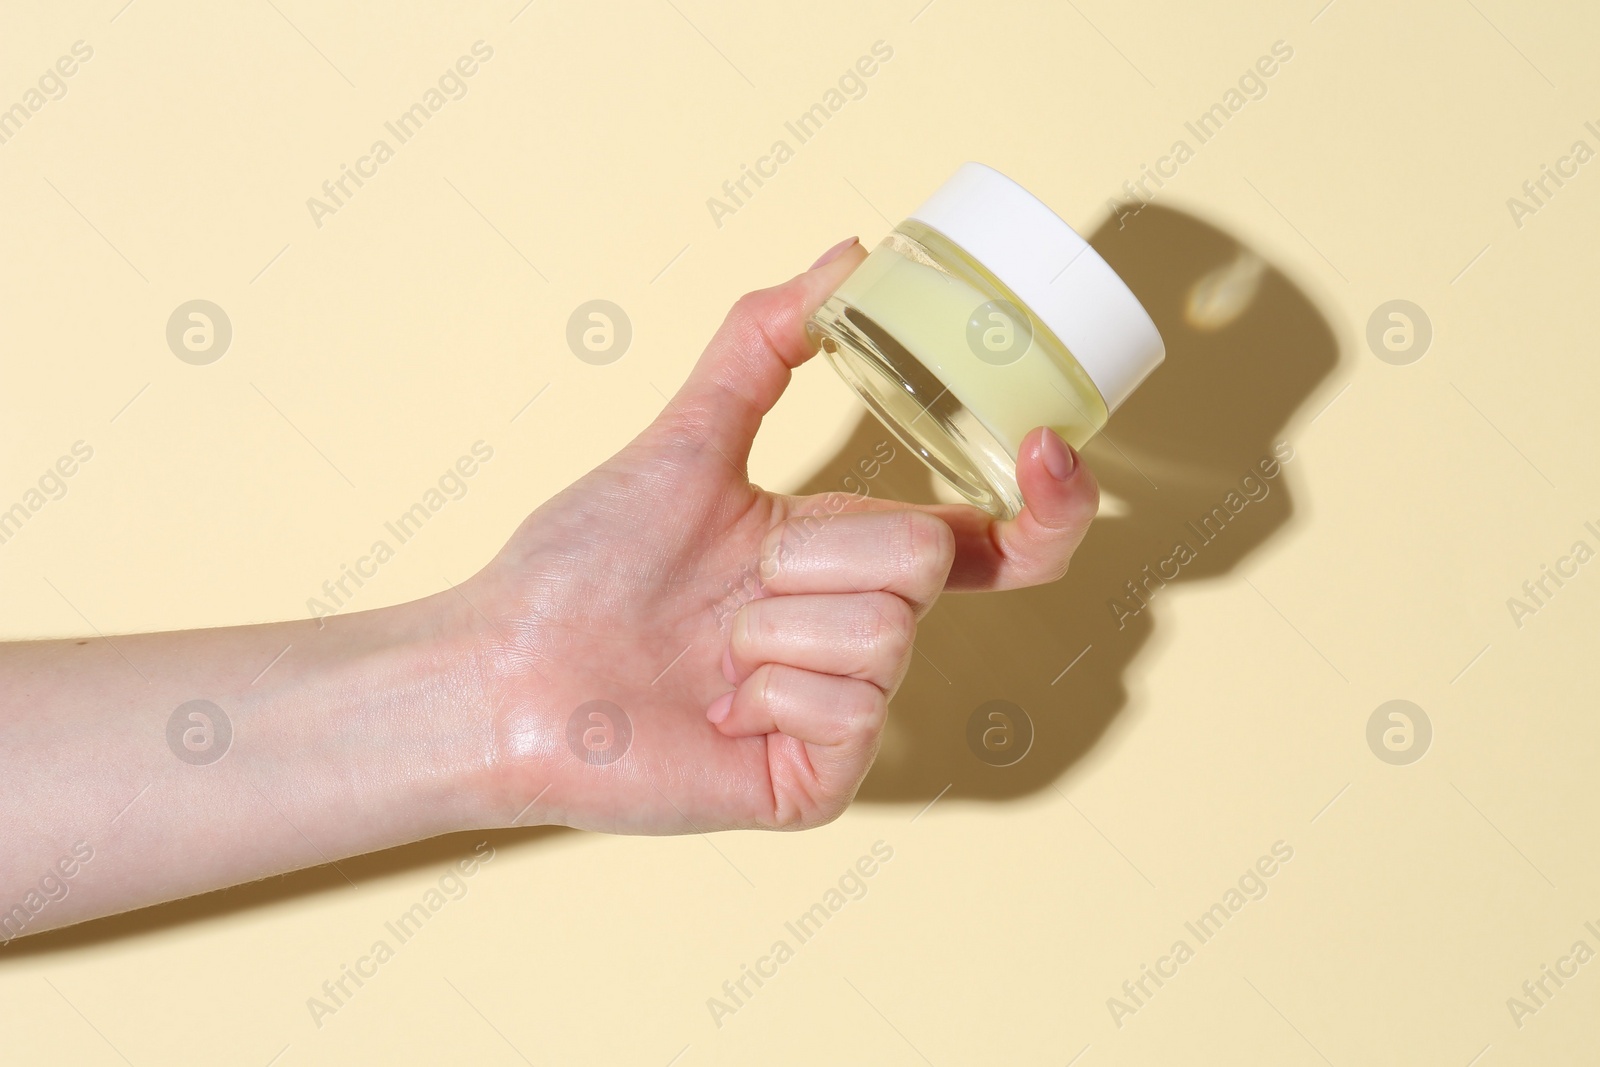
(314, 741)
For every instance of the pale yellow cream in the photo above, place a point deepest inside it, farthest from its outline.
(928, 310)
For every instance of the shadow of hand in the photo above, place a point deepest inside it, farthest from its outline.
(1184, 464)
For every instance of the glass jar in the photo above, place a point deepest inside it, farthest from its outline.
(982, 316)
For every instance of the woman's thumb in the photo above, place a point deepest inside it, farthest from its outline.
(746, 366)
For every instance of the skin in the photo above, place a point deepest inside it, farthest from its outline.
(752, 641)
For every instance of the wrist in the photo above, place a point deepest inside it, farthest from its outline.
(519, 741)
(446, 668)
(393, 720)
(470, 655)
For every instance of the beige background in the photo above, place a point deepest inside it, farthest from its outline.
(370, 352)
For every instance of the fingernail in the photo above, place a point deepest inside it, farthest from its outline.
(1058, 458)
(727, 666)
(720, 707)
(834, 253)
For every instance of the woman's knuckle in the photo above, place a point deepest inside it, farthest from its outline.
(865, 710)
(893, 625)
(933, 544)
(748, 628)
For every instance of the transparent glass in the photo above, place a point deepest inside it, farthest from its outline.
(953, 363)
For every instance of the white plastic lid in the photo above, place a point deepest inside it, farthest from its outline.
(1059, 277)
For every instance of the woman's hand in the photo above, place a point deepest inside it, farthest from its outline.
(662, 648)
(675, 650)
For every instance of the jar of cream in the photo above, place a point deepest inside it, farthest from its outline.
(978, 318)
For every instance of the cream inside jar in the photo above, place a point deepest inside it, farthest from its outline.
(982, 316)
